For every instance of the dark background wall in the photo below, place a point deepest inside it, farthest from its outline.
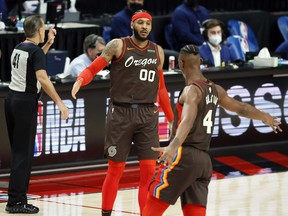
(163, 7)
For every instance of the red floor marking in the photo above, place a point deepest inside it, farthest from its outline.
(217, 175)
(240, 164)
(86, 206)
(78, 182)
(275, 157)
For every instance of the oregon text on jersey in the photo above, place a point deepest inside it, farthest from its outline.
(140, 62)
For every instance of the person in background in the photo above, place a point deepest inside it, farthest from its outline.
(93, 46)
(120, 25)
(28, 75)
(213, 52)
(186, 167)
(3, 11)
(137, 79)
(186, 23)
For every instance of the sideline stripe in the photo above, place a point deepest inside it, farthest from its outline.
(275, 157)
(240, 164)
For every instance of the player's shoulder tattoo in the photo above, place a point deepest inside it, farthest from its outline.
(112, 47)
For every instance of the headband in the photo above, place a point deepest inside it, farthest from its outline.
(141, 15)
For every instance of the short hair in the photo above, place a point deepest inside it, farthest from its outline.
(91, 40)
(32, 24)
(190, 49)
(210, 23)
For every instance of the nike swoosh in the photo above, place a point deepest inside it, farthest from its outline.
(130, 48)
(155, 111)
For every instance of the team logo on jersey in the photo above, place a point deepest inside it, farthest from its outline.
(112, 151)
(151, 51)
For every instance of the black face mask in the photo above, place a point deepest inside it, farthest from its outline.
(135, 6)
(192, 3)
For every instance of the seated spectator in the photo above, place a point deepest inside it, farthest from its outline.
(93, 46)
(121, 22)
(186, 22)
(212, 51)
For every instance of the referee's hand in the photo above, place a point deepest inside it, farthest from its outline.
(64, 111)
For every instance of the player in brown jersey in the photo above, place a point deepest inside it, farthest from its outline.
(137, 80)
(186, 170)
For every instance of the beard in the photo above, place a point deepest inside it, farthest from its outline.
(138, 37)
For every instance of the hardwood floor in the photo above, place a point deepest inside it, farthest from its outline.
(71, 194)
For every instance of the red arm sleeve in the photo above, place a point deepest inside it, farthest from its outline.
(164, 100)
(88, 73)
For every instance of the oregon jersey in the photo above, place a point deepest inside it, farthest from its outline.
(201, 132)
(134, 76)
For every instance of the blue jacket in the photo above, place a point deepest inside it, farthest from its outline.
(120, 25)
(186, 25)
(206, 54)
(3, 10)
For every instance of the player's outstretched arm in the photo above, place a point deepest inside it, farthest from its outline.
(113, 48)
(246, 110)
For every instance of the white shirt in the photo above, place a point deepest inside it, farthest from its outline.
(78, 65)
(216, 55)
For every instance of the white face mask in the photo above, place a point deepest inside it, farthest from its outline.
(215, 39)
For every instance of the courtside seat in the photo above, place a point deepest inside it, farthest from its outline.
(237, 27)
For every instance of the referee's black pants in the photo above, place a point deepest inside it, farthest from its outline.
(21, 118)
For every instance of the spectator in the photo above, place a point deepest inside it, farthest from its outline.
(186, 23)
(120, 26)
(92, 48)
(212, 51)
(3, 11)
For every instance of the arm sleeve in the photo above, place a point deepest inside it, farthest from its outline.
(164, 100)
(88, 73)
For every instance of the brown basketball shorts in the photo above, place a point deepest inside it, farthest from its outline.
(131, 125)
(188, 177)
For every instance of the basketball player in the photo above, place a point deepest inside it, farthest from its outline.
(189, 169)
(136, 79)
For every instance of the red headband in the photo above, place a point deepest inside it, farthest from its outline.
(141, 15)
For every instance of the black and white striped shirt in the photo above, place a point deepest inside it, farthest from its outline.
(26, 59)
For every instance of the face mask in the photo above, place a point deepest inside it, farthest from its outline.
(135, 6)
(215, 39)
(192, 3)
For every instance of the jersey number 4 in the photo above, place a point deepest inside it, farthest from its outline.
(208, 122)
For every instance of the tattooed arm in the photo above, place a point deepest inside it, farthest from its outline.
(112, 49)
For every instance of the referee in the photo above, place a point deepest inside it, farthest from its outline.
(28, 75)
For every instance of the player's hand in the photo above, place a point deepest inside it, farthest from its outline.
(76, 88)
(273, 123)
(167, 155)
